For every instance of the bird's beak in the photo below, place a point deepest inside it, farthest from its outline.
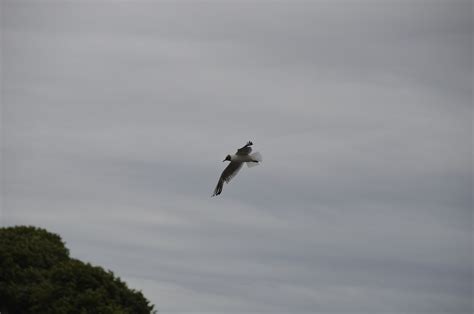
(224, 160)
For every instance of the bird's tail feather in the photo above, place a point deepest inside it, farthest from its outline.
(257, 157)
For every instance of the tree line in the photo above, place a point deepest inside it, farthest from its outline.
(37, 275)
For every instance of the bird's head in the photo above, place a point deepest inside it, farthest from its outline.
(227, 158)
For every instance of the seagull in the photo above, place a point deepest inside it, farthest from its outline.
(236, 162)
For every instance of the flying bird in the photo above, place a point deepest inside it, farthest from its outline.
(236, 161)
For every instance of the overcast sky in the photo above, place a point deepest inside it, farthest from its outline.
(117, 116)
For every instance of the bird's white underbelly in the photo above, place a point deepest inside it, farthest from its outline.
(241, 158)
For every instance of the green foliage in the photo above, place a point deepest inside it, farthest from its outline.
(38, 276)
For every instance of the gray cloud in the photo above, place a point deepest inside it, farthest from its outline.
(115, 117)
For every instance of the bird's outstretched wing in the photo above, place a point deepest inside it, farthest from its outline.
(229, 172)
(246, 150)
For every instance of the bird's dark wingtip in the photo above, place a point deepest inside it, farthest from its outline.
(218, 189)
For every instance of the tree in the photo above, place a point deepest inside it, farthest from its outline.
(38, 276)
